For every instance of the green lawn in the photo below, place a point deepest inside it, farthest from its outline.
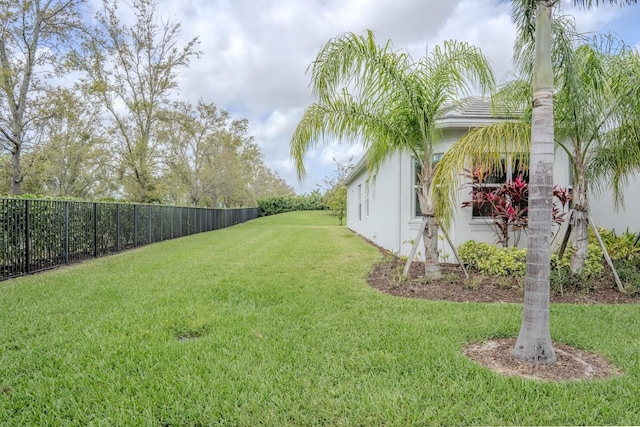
(271, 322)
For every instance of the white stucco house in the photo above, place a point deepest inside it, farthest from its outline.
(384, 208)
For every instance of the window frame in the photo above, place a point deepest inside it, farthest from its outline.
(359, 202)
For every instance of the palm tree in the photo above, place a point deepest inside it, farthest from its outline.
(534, 340)
(534, 134)
(370, 92)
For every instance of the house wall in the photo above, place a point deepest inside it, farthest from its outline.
(391, 221)
(380, 222)
(627, 217)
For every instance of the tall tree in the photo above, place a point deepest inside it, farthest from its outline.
(33, 37)
(72, 159)
(534, 340)
(267, 183)
(381, 96)
(132, 70)
(262, 182)
(190, 135)
(210, 159)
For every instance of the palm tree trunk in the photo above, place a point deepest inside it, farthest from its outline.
(579, 223)
(430, 234)
(430, 237)
(534, 340)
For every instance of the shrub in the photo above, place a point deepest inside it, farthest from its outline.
(281, 204)
(594, 265)
(629, 274)
(505, 262)
(489, 259)
(562, 278)
(621, 248)
(472, 251)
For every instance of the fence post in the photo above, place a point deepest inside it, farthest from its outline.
(161, 223)
(149, 221)
(27, 225)
(66, 232)
(118, 227)
(95, 230)
(135, 225)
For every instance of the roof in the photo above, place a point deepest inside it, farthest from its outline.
(471, 107)
(470, 112)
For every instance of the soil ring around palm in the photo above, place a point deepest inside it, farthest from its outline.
(572, 363)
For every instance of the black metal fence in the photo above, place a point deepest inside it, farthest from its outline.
(41, 234)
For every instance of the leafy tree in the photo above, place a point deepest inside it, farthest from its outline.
(190, 135)
(131, 70)
(33, 37)
(381, 96)
(335, 195)
(229, 184)
(338, 202)
(262, 181)
(210, 160)
(267, 183)
(72, 159)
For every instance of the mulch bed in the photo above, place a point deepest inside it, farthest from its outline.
(454, 286)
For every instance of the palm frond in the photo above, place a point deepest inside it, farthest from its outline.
(513, 100)
(616, 161)
(359, 63)
(343, 119)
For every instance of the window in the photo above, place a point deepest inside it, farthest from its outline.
(417, 169)
(488, 183)
(366, 198)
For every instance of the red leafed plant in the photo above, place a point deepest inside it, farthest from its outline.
(506, 207)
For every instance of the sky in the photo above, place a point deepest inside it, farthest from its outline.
(255, 54)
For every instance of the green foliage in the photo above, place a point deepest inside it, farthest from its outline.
(337, 202)
(335, 196)
(629, 273)
(472, 251)
(594, 265)
(562, 278)
(621, 248)
(489, 259)
(281, 204)
(625, 256)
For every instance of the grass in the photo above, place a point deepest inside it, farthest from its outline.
(271, 322)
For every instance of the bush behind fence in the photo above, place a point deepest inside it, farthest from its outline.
(41, 234)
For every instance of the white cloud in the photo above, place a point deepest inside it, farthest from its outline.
(255, 54)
